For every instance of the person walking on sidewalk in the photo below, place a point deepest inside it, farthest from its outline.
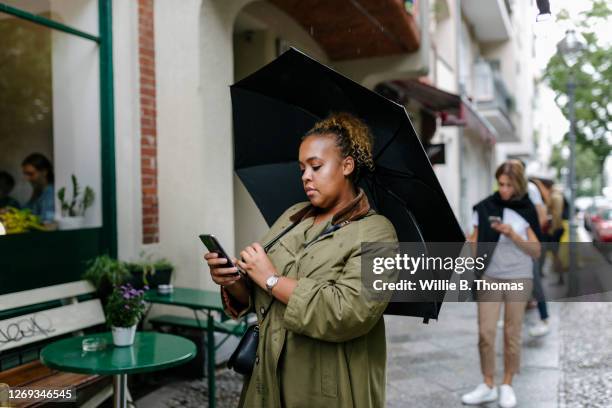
(539, 196)
(321, 342)
(509, 220)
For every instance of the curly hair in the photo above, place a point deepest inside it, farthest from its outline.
(353, 138)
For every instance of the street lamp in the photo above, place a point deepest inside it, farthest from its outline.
(570, 48)
(544, 10)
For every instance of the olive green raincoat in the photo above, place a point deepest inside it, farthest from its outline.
(326, 347)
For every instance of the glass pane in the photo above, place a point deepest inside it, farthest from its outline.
(78, 14)
(49, 120)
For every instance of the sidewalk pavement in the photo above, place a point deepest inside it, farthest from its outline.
(433, 365)
(428, 365)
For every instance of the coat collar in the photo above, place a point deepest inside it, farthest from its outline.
(355, 209)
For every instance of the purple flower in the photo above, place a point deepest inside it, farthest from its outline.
(127, 307)
(146, 287)
(126, 296)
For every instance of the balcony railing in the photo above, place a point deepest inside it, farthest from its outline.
(493, 99)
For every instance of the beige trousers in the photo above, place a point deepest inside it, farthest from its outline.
(489, 305)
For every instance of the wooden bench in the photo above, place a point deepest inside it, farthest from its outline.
(33, 318)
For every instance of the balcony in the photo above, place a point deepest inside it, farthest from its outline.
(494, 101)
(490, 18)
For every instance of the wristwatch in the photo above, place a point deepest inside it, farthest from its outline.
(271, 283)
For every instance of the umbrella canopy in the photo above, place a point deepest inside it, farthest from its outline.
(276, 105)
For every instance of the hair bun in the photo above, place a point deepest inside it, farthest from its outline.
(353, 138)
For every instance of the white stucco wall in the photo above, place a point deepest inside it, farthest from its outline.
(194, 68)
(127, 128)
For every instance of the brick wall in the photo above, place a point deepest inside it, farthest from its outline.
(148, 123)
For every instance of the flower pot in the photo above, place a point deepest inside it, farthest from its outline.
(161, 277)
(123, 336)
(70, 223)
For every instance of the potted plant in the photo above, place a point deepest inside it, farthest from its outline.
(73, 210)
(105, 273)
(150, 272)
(124, 310)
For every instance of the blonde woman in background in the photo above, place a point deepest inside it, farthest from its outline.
(509, 219)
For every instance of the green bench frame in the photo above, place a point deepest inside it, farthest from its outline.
(229, 327)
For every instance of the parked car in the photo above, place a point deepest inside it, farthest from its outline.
(596, 204)
(602, 225)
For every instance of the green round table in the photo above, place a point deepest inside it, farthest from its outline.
(151, 351)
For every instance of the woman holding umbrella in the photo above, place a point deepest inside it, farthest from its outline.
(322, 342)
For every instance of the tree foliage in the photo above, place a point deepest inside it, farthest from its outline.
(593, 76)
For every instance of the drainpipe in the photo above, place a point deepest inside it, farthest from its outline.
(463, 204)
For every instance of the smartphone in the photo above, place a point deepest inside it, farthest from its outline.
(493, 219)
(213, 245)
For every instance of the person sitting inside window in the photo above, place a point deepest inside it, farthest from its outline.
(38, 170)
(7, 183)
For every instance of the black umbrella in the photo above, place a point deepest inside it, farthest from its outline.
(275, 106)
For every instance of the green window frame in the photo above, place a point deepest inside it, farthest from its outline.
(33, 260)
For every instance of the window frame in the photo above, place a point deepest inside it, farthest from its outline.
(100, 240)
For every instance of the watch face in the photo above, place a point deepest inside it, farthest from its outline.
(271, 281)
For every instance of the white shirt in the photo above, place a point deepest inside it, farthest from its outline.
(534, 194)
(508, 260)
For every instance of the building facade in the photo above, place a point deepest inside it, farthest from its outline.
(154, 139)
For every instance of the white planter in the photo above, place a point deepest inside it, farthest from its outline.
(123, 336)
(69, 223)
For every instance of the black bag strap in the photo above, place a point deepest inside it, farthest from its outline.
(331, 228)
(279, 236)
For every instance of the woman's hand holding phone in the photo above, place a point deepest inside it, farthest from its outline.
(505, 229)
(221, 275)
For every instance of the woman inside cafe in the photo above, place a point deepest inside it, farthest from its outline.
(38, 171)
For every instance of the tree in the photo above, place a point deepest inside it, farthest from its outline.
(587, 167)
(593, 75)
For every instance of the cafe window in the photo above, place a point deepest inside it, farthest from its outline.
(56, 135)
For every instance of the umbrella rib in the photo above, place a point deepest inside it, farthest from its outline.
(411, 176)
(405, 205)
(414, 221)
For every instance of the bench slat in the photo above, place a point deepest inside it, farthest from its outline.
(46, 294)
(24, 373)
(37, 376)
(26, 329)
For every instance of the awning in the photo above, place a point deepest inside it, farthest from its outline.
(451, 108)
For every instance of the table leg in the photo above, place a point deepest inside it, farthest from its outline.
(210, 343)
(120, 391)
